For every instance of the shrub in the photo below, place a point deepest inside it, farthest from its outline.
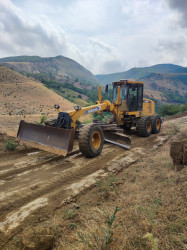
(107, 185)
(102, 238)
(11, 145)
(69, 214)
(42, 120)
(184, 107)
(167, 110)
(170, 109)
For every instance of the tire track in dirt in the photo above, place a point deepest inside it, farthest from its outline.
(19, 168)
(67, 176)
(23, 164)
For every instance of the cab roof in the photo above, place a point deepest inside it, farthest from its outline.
(121, 82)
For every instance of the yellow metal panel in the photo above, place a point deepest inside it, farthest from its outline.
(134, 113)
(148, 107)
(88, 110)
(100, 96)
(118, 97)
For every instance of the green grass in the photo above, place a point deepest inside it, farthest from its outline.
(108, 185)
(69, 214)
(11, 145)
(104, 236)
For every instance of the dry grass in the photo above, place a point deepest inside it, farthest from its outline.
(151, 197)
(22, 98)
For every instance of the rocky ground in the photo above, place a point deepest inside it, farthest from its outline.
(49, 201)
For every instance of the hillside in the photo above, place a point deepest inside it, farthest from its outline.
(163, 82)
(59, 68)
(24, 98)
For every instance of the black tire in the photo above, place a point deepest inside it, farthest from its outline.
(144, 126)
(156, 121)
(91, 140)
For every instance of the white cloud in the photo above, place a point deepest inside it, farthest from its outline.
(104, 36)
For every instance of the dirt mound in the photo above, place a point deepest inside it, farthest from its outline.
(3, 139)
(8, 143)
(39, 237)
(178, 151)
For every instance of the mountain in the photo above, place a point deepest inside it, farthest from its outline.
(163, 82)
(139, 73)
(59, 67)
(21, 95)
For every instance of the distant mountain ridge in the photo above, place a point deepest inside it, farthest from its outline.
(139, 73)
(59, 67)
(163, 82)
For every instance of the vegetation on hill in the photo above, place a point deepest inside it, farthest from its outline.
(75, 94)
(59, 66)
(170, 109)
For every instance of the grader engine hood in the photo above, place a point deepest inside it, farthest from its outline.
(56, 140)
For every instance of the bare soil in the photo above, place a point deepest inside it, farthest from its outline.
(23, 98)
(38, 188)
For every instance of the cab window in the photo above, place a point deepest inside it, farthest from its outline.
(123, 92)
(140, 97)
(133, 98)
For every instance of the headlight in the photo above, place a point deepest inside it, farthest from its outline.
(77, 107)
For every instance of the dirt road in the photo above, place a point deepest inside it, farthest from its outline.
(35, 184)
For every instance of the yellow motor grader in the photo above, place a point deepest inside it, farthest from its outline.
(129, 109)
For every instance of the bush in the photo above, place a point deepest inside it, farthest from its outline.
(170, 109)
(42, 120)
(184, 107)
(11, 145)
(104, 237)
(167, 110)
(107, 185)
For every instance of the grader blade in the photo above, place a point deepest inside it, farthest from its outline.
(56, 140)
(117, 139)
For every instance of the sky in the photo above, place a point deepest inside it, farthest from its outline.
(104, 36)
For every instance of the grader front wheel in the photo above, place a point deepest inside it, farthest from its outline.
(91, 140)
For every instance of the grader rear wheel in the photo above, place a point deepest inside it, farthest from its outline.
(144, 126)
(91, 140)
(156, 121)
